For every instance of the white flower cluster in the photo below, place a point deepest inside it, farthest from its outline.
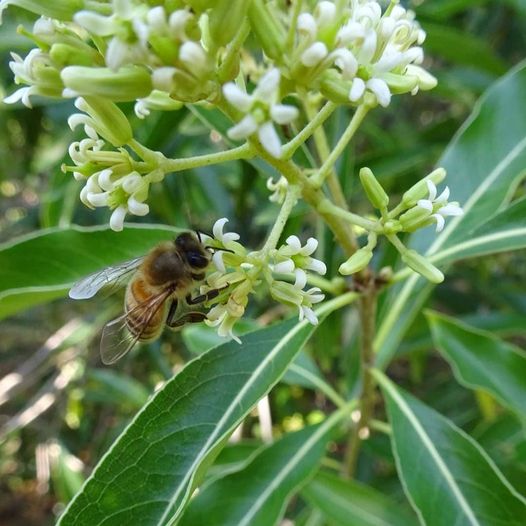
(240, 272)
(132, 25)
(373, 52)
(261, 110)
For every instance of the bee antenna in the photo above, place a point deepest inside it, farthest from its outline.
(215, 249)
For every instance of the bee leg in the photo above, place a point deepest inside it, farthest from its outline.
(171, 313)
(211, 294)
(189, 317)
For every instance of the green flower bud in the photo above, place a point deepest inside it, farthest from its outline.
(286, 293)
(268, 31)
(225, 19)
(65, 54)
(200, 5)
(399, 84)
(59, 9)
(112, 123)
(375, 193)
(414, 219)
(420, 190)
(334, 87)
(421, 265)
(128, 83)
(358, 261)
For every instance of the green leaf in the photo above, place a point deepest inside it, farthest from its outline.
(503, 231)
(41, 267)
(482, 360)
(483, 180)
(257, 495)
(354, 504)
(150, 472)
(447, 476)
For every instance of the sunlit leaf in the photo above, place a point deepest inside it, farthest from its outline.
(257, 495)
(447, 476)
(150, 472)
(42, 266)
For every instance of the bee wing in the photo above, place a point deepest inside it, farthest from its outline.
(89, 286)
(117, 340)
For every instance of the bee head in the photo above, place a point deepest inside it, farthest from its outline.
(192, 250)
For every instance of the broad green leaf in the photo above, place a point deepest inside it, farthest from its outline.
(257, 495)
(43, 266)
(505, 230)
(150, 472)
(354, 504)
(480, 359)
(483, 180)
(447, 476)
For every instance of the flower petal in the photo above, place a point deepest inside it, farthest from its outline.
(357, 89)
(237, 97)
(283, 113)
(440, 222)
(314, 54)
(381, 90)
(301, 278)
(117, 218)
(317, 266)
(270, 139)
(426, 204)
(243, 129)
(137, 208)
(268, 85)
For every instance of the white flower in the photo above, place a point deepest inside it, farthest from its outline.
(439, 205)
(279, 189)
(219, 316)
(261, 110)
(310, 297)
(294, 258)
(226, 239)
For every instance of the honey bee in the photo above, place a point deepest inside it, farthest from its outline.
(159, 293)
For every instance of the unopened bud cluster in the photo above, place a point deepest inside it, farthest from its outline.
(420, 207)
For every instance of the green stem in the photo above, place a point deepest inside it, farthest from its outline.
(383, 427)
(177, 165)
(347, 135)
(311, 128)
(330, 208)
(368, 302)
(288, 204)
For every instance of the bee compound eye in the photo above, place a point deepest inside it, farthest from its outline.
(197, 260)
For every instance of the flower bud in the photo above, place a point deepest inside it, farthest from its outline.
(268, 31)
(414, 219)
(399, 84)
(65, 54)
(113, 125)
(286, 293)
(375, 193)
(420, 190)
(421, 265)
(358, 261)
(334, 87)
(225, 19)
(128, 83)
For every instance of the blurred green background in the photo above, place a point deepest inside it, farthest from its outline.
(60, 409)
